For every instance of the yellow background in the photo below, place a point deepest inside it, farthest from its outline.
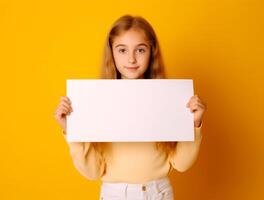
(219, 44)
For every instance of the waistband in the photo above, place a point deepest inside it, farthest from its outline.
(157, 185)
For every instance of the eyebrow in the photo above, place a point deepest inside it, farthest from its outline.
(140, 44)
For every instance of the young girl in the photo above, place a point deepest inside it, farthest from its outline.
(133, 170)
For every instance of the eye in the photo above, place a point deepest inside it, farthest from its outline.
(122, 50)
(141, 50)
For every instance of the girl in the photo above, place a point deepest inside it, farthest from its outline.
(133, 170)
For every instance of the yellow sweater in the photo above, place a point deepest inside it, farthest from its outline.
(132, 162)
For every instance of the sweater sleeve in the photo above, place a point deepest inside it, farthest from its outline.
(186, 153)
(87, 160)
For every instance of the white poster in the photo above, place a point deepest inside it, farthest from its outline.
(118, 110)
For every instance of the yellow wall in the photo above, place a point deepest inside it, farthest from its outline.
(219, 44)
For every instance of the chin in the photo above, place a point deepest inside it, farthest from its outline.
(131, 76)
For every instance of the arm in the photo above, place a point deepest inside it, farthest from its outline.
(87, 160)
(185, 153)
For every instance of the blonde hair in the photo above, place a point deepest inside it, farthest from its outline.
(155, 69)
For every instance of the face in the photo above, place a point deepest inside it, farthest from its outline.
(131, 51)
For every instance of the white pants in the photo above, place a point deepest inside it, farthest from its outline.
(160, 189)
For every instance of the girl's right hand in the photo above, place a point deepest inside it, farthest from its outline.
(64, 108)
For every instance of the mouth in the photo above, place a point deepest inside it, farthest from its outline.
(132, 68)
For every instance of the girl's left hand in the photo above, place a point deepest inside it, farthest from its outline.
(198, 108)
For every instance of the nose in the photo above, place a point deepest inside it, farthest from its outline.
(132, 58)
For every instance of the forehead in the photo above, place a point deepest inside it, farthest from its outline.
(131, 37)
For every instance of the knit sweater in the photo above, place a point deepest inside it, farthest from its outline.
(132, 162)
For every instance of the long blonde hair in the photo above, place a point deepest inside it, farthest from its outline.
(155, 69)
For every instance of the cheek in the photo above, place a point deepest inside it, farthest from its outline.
(144, 59)
(119, 59)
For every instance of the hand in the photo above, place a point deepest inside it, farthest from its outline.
(198, 108)
(64, 108)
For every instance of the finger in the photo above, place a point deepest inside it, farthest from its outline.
(65, 98)
(192, 99)
(191, 102)
(65, 101)
(195, 100)
(58, 110)
(196, 106)
(66, 105)
(62, 111)
(201, 104)
(60, 114)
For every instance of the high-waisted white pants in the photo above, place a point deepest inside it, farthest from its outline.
(160, 189)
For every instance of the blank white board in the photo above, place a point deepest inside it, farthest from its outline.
(115, 110)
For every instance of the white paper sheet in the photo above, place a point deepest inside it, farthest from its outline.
(130, 110)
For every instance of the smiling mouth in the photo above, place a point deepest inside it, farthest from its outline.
(132, 68)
